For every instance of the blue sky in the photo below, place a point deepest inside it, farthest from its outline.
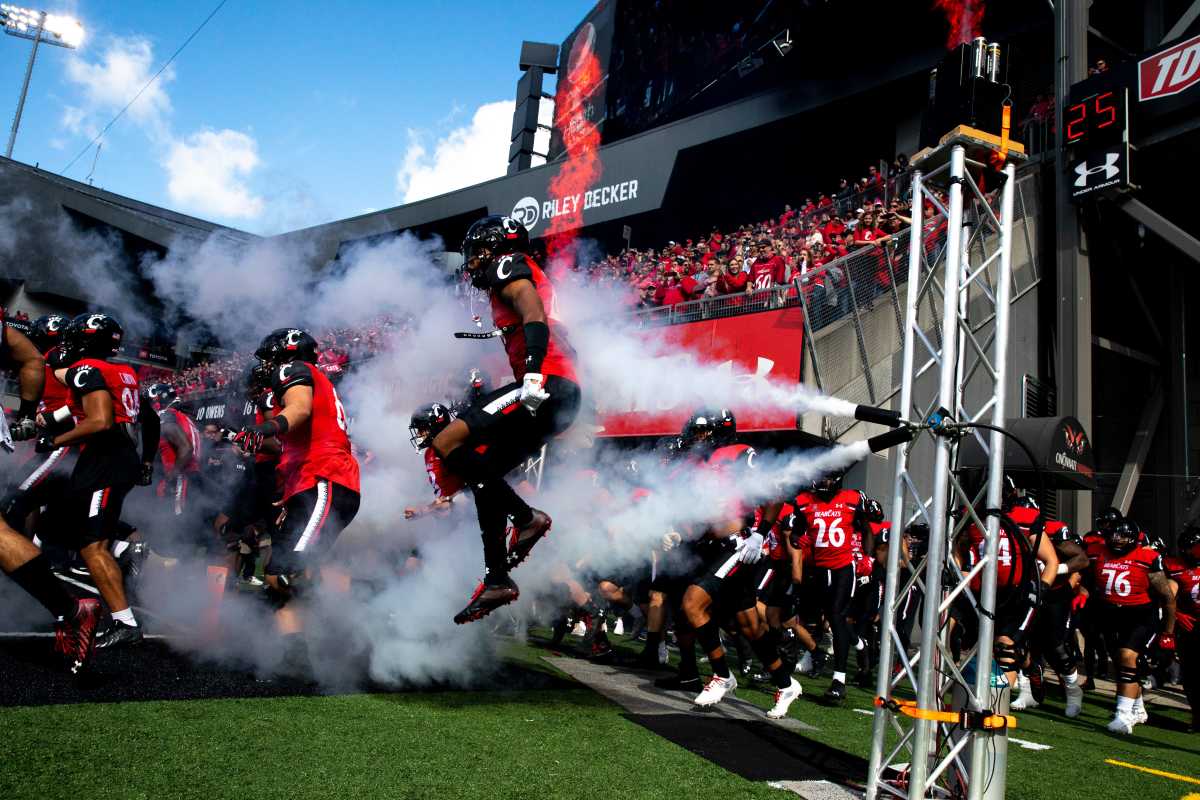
(280, 115)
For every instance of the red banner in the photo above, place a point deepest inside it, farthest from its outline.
(768, 344)
(1170, 71)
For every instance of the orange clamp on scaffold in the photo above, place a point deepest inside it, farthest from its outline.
(999, 157)
(970, 720)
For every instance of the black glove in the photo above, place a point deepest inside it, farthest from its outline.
(23, 429)
(147, 475)
(45, 443)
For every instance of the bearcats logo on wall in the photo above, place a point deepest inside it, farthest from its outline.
(1074, 440)
(527, 211)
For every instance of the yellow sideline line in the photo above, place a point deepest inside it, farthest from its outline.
(1172, 775)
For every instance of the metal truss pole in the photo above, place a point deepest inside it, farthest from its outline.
(887, 640)
(919, 755)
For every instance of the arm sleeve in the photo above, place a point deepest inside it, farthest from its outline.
(151, 428)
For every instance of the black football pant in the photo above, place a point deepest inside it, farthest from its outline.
(837, 588)
(503, 432)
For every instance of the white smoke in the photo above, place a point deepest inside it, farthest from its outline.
(398, 630)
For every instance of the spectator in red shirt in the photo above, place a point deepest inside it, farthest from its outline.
(732, 280)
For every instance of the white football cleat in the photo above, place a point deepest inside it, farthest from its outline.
(715, 690)
(1122, 723)
(1025, 698)
(784, 699)
(1140, 716)
(1074, 700)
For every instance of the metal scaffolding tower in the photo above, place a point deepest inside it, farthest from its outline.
(918, 751)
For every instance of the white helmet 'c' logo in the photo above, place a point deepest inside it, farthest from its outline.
(53, 324)
(93, 322)
(293, 337)
(504, 267)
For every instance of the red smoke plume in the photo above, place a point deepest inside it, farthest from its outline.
(581, 141)
(964, 17)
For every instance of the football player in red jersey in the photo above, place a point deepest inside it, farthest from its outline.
(1137, 606)
(727, 583)
(107, 402)
(1095, 653)
(319, 472)
(516, 419)
(1187, 601)
(178, 446)
(828, 515)
(38, 475)
(427, 422)
(1024, 555)
(20, 559)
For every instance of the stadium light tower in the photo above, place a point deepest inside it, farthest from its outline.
(37, 26)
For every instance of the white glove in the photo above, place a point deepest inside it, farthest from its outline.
(532, 393)
(671, 540)
(750, 551)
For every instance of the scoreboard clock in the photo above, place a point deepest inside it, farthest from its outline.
(1096, 137)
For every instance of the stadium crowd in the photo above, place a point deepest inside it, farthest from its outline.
(772, 580)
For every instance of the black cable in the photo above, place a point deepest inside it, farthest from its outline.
(161, 69)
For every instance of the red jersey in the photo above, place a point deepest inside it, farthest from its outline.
(264, 410)
(1124, 580)
(863, 564)
(320, 448)
(119, 380)
(55, 395)
(445, 483)
(726, 460)
(773, 546)
(765, 274)
(1187, 599)
(1011, 553)
(559, 358)
(830, 525)
(166, 450)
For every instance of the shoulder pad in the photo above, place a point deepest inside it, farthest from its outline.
(84, 378)
(297, 373)
(508, 268)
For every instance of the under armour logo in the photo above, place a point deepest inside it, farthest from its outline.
(1109, 168)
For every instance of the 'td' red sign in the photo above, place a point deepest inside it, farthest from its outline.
(767, 345)
(1171, 71)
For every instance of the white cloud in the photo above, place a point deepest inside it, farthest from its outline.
(125, 65)
(207, 173)
(465, 156)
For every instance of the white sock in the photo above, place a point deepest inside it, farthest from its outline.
(1124, 705)
(839, 676)
(1072, 679)
(125, 615)
(118, 547)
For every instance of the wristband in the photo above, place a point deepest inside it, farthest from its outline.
(1063, 569)
(27, 409)
(537, 342)
(275, 426)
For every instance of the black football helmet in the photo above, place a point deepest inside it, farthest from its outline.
(161, 395)
(1122, 537)
(707, 429)
(1107, 519)
(92, 336)
(828, 484)
(427, 422)
(1064, 534)
(257, 381)
(1189, 545)
(48, 331)
(918, 540)
(489, 238)
(285, 345)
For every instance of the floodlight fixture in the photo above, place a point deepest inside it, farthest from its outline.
(59, 30)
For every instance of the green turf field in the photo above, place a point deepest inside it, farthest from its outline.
(551, 739)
